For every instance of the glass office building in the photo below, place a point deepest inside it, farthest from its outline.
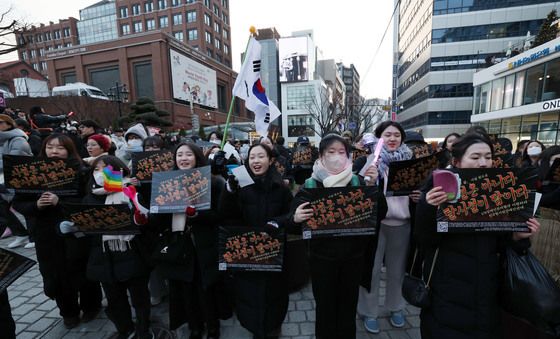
(98, 22)
(440, 44)
(520, 98)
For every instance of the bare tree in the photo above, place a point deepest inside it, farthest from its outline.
(363, 116)
(325, 110)
(8, 28)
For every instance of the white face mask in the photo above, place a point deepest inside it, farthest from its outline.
(98, 177)
(135, 143)
(335, 163)
(216, 141)
(533, 151)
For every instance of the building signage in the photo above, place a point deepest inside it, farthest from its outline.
(293, 63)
(66, 52)
(534, 56)
(551, 105)
(193, 81)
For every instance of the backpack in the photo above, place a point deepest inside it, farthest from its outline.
(312, 183)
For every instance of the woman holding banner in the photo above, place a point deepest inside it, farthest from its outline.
(197, 293)
(464, 283)
(62, 259)
(338, 265)
(261, 297)
(119, 262)
(394, 219)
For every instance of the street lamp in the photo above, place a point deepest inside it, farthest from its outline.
(119, 94)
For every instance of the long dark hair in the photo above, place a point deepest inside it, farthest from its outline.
(456, 135)
(66, 142)
(271, 174)
(108, 160)
(197, 151)
(460, 146)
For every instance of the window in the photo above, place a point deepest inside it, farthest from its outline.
(497, 94)
(35, 66)
(225, 3)
(191, 16)
(178, 35)
(192, 34)
(66, 32)
(209, 53)
(458, 6)
(68, 44)
(217, 27)
(485, 97)
(534, 84)
(57, 34)
(207, 20)
(150, 24)
(175, 3)
(104, 78)
(58, 46)
(225, 18)
(519, 85)
(222, 97)
(30, 38)
(68, 78)
(162, 4)
(552, 80)
(148, 7)
(299, 97)
(299, 125)
(225, 33)
(508, 91)
(42, 52)
(38, 38)
(135, 9)
(143, 80)
(484, 32)
(137, 27)
(47, 36)
(217, 44)
(208, 37)
(24, 55)
(218, 57)
(125, 29)
(216, 10)
(123, 12)
(43, 65)
(177, 19)
(207, 3)
(33, 54)
(163, 21)
(226, 49)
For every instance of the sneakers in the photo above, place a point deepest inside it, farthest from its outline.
(29, 245)
(397, 319)
(18, 242)
(371, 325)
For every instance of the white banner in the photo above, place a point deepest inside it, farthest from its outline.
(192, 78)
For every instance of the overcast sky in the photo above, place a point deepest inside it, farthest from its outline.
(347, 31)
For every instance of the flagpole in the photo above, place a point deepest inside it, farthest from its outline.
(253, 31)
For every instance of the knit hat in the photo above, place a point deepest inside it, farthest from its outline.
(7, 119)
(102, 140)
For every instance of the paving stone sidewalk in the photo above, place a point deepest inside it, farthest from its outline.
(37, 316)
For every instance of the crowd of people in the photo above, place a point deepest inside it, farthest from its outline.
(345, 271)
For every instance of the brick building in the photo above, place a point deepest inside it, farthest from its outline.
(144, 63)
(201, 24)
(46, 38)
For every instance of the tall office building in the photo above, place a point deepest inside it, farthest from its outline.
(440, 44)
(351, 79)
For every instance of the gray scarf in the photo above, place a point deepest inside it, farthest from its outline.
(400, 154)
